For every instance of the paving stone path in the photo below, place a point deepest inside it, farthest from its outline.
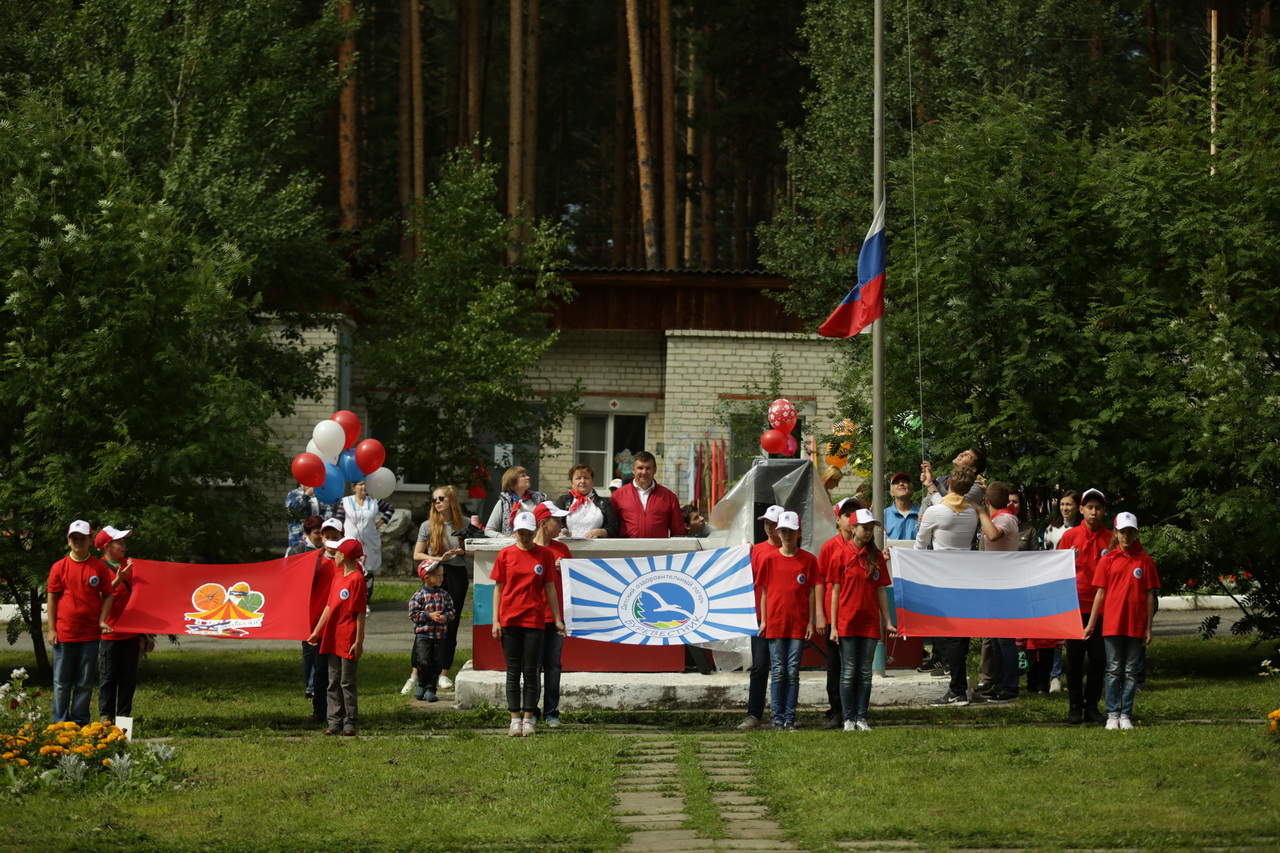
(651, 801)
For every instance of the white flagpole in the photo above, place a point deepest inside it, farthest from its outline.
(877, 328)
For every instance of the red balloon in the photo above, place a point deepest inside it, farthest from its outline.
(309, 470)
(792, 446)
(773, 441)
(370, 454)
(350, 423)
(782, 415)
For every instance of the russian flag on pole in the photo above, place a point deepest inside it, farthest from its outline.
(690, 598)
(987, 594)
(865, 303)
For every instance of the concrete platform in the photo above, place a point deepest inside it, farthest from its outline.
(687, 691)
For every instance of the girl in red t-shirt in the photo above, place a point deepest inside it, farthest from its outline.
(787, 579)
(858, 604)
(340, 633)
(1126, 579)
(524, 585)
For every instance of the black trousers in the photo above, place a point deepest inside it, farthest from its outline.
(522, 647)
(455, 583)
(836, 709)
(1082, 692)
(429, 657)
(954, 654)
(117, 676)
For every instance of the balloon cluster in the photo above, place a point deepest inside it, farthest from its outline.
(838, 449)
(335, 456)
(782, 417)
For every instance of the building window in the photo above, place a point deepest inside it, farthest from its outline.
(607, 443)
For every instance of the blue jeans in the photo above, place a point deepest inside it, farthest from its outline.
(1124, 664)
(1056, 672)
(856, 655)
(309, 653)
(759, 678)
(1005, 652)
(75, 671)
(552, 645)
(785, 654)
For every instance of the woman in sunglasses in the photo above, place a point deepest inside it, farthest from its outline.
(438, 542)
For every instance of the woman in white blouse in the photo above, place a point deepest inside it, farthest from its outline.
(590, 515)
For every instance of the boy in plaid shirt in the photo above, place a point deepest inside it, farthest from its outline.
(430, 610)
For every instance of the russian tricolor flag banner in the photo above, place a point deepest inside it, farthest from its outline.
(865, 303)
(698, 597)
(1013, 594)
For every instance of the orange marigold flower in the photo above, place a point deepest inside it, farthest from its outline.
(22, 762)
(106, 762)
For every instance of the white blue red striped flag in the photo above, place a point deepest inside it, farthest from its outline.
(864, 303)
(986, 594)
(674, 599)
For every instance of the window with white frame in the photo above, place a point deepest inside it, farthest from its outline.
(608, 442)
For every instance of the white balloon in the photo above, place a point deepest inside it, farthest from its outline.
(380, 483)
(330, 437)
(324, 457)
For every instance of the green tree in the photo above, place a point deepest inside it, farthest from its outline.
(124, 345)
(450, 338)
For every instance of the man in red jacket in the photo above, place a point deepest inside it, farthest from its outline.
(645, 509)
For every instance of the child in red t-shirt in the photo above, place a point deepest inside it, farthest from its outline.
(524, 587)
(1088, 540)
(787, 580)
(1126, 579)
(79, 597)
(118, 652)
(340, 632)
(858, 604)
(550, 519)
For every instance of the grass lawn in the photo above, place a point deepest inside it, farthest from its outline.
(1201, 770)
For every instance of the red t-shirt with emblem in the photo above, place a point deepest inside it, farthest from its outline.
(1127, 576)
(80, 588)
(859, 610)
(788, 583)
(758, 552)
(348, 598)
(834, 555)
(321, 584)
(1089, 546)
(120, 598)
(523, 574)
(561, 551)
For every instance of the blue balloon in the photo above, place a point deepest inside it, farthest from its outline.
(334, 486)
(350, 470)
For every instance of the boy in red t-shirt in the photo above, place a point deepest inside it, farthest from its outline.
(340, 632)
(118, 652)
(1089, 539)
(787, 581)
(521, 575)
(1126, 579)
(833, 554)
(859, 604)
(79, 602)
(758, 680)
(550, 519)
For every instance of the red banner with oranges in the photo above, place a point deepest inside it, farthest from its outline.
(260, 601)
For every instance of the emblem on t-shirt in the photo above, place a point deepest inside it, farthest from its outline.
(537, 570)
(345, 594)
(1137, 573)
(800, 578)
(94, 580)
(875, 574)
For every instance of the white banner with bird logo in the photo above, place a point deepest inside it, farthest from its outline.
(675, 599)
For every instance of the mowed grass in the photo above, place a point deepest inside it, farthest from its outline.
(257, 794)
(1173, 786)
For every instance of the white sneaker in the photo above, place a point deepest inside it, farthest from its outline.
(1055, 686)
(1125, 723)
(1113, 722)
(861, 725)
(443, 682)
(526, 727)
(850, 726)
(410, 683)
(516, 729)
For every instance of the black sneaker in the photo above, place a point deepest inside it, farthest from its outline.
(985, 689)
(1001, 698)
(956, 699)
(1075, 716)
(833, 723)
(928, 666)
(940, 671)
(1093, 715)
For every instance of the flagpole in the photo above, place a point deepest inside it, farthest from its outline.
(877, 328)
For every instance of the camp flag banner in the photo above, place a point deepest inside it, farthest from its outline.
(260, 601)
(673, 599)
(1029, 594)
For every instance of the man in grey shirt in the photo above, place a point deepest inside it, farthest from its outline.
(936, 490)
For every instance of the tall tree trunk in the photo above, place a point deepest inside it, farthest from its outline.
(419, 107)
(515, 117)
(671, 221)
(621, 144)
(690, 146)
(644, 152)
(348, 150)
(532, 76)
(404, 128)
(707, 156)
(740, 211)
(1153, 47)
(458, 101)
(475, 79)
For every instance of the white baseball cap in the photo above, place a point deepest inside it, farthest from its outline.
(79, 526)
(524, 521)
(548, 509)
(773, 513)
(864, 516)
(1126, 519)
(107, 535)
(788, 521)
(332, 524)
(846, 502)
(1092, 493)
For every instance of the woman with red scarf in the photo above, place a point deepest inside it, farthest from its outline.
(590, 515)
(516, 497)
